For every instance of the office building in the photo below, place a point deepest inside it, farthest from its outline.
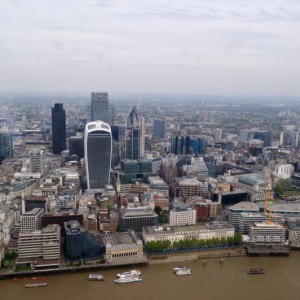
(180, 144)
(182, 215)
(32, 220)
(244, 136)
(177, 233)
(58, 129)
(132, 143)
(100, 110)
(40, 248)
(76, 146)
(136, 218)
(218, 135)
(81, 244)
(238, 209)
(263, 135)
(37, 161)
(122, 245)
(266, 232)
(6, 146)
(159, 129)
(97, 149)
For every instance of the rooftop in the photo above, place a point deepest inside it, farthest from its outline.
(244, 206)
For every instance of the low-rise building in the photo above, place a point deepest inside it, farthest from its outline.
(124, 246)
(267, 232)
(177, 233)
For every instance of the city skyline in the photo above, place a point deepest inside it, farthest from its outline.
(198, 47)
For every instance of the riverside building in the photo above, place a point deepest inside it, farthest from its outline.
(176, 233)
(40, 248)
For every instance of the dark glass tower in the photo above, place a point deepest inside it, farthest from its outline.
(97, 154)
(159, 129)
(58, 129)
(6, 147)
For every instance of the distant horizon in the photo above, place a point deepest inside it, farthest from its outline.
(191, 48)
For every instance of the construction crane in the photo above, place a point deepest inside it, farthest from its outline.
(267, 194)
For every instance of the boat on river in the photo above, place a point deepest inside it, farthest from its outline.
(36, 284)
(256, 271)
(177, 268)
(129, 273)
(96, 277)
(184, 271)
(128, 279)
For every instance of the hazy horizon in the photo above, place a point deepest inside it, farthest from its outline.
(212, 48)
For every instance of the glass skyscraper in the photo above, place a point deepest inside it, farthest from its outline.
(58, 129)
(6, 148)
(97, 154)
(99, 107)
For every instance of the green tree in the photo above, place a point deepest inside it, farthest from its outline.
(158, 210)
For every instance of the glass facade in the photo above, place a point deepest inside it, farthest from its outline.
(98, 148)
(6, 148)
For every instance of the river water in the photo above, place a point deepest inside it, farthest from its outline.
(209, 281)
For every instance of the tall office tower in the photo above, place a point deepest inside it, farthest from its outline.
(180, 144)
(132, 143)
(135, 139)
(100, 110)
(142, 136)
(159, 129)
(218, 135)
(58, 129)
(97, 154)
(6, 147)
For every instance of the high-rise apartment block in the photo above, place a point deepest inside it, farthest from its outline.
(58, 129)
(97, 149)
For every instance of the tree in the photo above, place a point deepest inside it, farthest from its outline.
(5, 263)
(158, 210)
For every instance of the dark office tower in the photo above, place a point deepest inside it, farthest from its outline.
(264, 136)
(100, 110)
(159, 129)
(76, 146)
(132, 143)
(180, 144)
(6, 147)
(97, 154)
(58, 129)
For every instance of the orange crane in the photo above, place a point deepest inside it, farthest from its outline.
(267, 193)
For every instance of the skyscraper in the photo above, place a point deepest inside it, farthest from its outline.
(6, 147)
(218, 135)
(58, 129)
(97, 154)
(100, 109)
(159, 129)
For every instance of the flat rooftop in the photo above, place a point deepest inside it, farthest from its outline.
(245, 206)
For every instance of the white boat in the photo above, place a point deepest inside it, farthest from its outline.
(130, 273)
(184, 271)
(36, 284)
(177, 268)
(128, 279)
(96, 277)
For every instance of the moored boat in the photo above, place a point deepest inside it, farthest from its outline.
(128, 279)
(184, 271)
(36, 284)
(130, 273)
(253, 271)
(177, 268)
(96, 277)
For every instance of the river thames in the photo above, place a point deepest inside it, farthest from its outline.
(211, 280)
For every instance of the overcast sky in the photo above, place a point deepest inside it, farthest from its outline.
(217, 47)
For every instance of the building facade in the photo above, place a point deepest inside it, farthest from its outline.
(58, 129)
(97, 149)
(99, 107)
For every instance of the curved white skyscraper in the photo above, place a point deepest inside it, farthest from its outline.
(97, 154)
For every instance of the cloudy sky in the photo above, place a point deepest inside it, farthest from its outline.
(216, 47)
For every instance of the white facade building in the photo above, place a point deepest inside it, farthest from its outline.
(177, 233)
(182, 216)
(32, 220)
(284, 171)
